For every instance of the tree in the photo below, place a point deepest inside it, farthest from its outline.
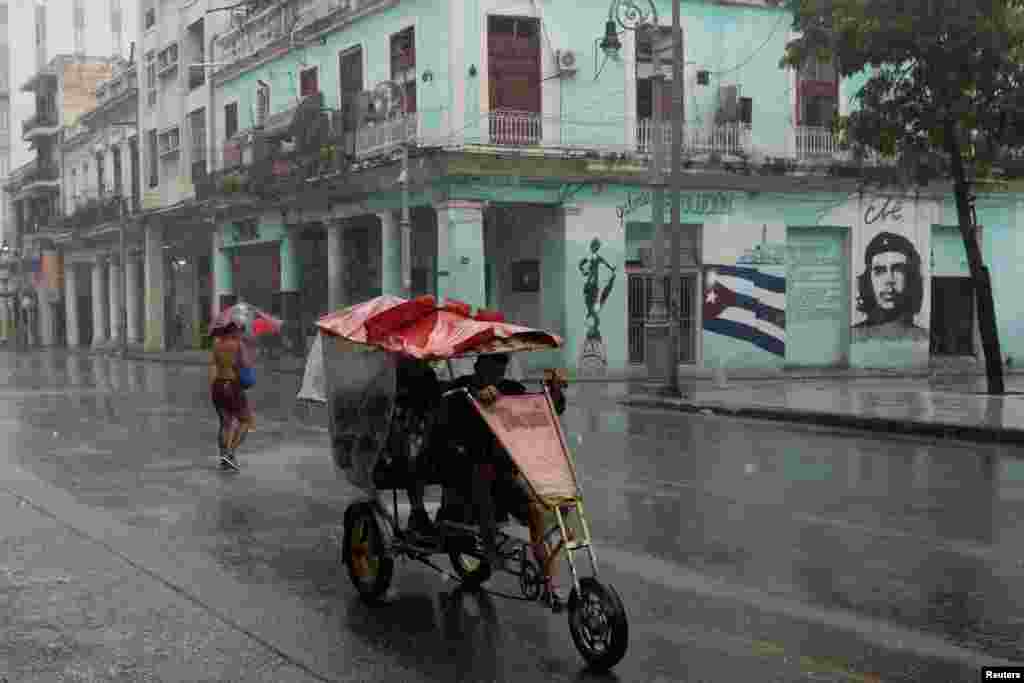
(943, 98)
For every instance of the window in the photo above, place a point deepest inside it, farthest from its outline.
(350, 68)
(308, 82)
(133, 150)
(151, 79)
(230, 120)
(116, 162)
(403, 65)
(196, 75)
(262, 104)
(815, 70)
(154, 160)
(170, 141)
(5, 117)
(817, 94)
(150, 18)
(197, 128)
(99, 174)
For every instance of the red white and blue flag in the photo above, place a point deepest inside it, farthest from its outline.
(746, 304)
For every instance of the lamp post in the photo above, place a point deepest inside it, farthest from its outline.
(662, 324)
(405, 225)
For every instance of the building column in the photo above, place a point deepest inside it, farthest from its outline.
(291, 284)
(47, 310)
(335, 266)
(223, 276)
(131, 271)
(391, 255)
(197, 316)
(115, 299)
(156, 285)
(99, 303)
(71, 306)
(46, 322)
(460, 252)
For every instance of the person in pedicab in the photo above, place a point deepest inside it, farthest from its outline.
(462, 426)
(419, 391)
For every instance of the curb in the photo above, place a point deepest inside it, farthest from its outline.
(875, 424)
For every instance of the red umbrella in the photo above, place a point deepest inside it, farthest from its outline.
(421, 329)
(250, 319)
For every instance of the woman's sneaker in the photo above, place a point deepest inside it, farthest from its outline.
(228, 461)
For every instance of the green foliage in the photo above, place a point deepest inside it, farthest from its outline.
(936, 67)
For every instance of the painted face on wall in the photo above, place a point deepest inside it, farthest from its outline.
(889, 279)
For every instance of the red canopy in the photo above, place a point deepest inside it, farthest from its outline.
(421, 329)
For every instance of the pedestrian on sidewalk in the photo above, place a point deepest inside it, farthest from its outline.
(230, 359)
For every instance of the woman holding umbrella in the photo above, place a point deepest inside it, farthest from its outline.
(231, 373)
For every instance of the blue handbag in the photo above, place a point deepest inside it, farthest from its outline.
(247, 377)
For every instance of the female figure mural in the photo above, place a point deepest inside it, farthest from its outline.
(593, 356)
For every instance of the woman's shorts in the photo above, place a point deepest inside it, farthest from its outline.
(229, 400)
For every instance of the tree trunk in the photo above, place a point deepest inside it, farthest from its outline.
(979, 273)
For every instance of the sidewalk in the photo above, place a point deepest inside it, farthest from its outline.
(946, 406)
(74, 611)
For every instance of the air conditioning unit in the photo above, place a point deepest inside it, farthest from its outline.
(566, 61)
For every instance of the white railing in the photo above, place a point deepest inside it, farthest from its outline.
(815, 142)
(726, 138)
(514, 128)
(385, 136)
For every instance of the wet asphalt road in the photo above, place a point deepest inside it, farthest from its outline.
(742, 550)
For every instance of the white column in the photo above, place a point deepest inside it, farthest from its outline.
(132, 296)
(335, 266)
(71, 305)
(99, 303)
(155, 287)
(115, 299)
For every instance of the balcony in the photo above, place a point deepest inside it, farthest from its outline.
(36, 177)
(726, 138)
(816, 143)
(91, 213)
(385, 136)
(42, 124)
(268, 22)
(124, 84)
(511, 128)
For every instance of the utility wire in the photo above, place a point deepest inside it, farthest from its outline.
(763, 45)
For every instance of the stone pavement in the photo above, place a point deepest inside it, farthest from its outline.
(71, 610)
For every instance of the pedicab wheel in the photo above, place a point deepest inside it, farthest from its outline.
(597, 622)
(531, 582)
(473, 570)
(370, 566)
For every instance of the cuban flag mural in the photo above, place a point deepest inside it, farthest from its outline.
(746, 304)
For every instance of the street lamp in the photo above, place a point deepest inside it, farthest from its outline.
(662, 325)
(405, 226)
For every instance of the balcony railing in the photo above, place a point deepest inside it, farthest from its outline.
(93, 212)
(35, 174)
(726, 138)
(385, 136)
(40, 120)
(814, 142)
(514, 128)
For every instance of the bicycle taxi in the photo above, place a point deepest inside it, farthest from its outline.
(353, 369)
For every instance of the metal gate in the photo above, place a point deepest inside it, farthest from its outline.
(639, 301)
